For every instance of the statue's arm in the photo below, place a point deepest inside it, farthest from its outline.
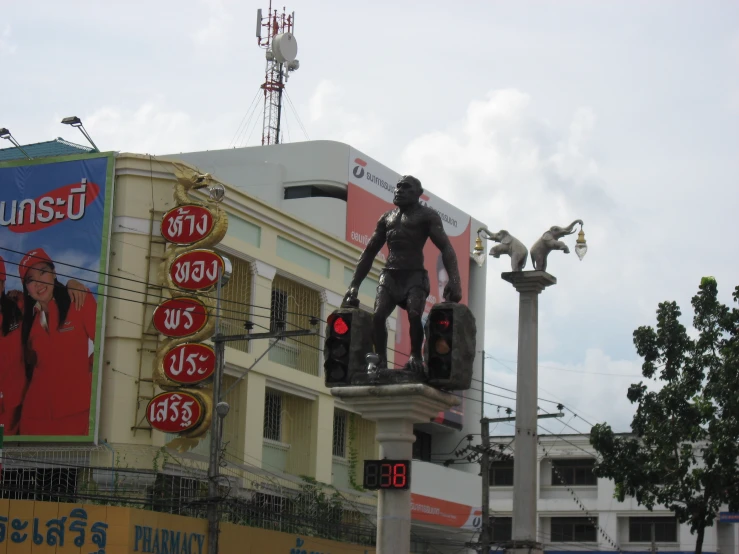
(368, 256)
(453, 290)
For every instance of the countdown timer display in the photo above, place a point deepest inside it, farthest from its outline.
(387, 474)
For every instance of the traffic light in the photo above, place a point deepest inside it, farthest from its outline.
(450, 346)
(348, 341)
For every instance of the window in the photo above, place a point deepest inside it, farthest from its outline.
(501, 473)
(422, 446)
(311, 191)
(235, 300)
(278, 310)
(293, 306)
(273, 416)
(50, 484)
(574, 472)
(340, 423)
(178, 495)
(502, 528)
(640, 529)
(573, 529)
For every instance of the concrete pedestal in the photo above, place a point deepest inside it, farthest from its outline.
(529, 284)
(395, 408)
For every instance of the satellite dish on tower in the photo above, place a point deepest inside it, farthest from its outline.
(284, 48)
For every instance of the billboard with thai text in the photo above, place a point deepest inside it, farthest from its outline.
(369, 195)
(54, 229)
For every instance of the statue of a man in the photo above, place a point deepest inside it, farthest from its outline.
(404, 281)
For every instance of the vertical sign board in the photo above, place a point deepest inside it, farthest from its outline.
(54, 230)
(370, 194)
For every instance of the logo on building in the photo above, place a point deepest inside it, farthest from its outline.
(358, 170)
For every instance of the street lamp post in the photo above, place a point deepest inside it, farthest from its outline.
(529, 285)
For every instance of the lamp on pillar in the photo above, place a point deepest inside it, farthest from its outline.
(529, 284)
(478, 253)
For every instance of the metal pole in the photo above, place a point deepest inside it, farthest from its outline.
(215, 431)
(485, 534)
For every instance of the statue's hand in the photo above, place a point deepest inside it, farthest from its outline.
(350, 298)
(453, 292)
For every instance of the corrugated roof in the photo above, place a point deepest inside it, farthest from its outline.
(56, 147)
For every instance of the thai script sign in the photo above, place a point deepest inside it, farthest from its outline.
(189, 363)
(180, 317)
(174, 412)
(197, 270)
(56, 531)
(66, 202)
(187, 224)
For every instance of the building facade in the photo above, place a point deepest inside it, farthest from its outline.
(578, 512)
(292, 458)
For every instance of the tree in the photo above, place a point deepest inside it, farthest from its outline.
(683, 452)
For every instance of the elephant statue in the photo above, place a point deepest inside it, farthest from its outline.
(508, 245)
(548, 242)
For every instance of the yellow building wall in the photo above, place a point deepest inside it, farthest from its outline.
(29, 527)
(143, 191)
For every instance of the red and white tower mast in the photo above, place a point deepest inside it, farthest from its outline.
(275, 35)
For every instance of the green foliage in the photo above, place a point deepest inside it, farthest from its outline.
(684, 452)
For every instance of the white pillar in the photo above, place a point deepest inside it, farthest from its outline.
(395, 408)
(529, 284)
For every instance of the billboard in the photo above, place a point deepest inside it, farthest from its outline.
(442, 512)
(370, 189)
(54, 230)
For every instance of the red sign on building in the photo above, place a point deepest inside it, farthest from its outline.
(180, 317)
(187, 224)
(189, 363)
(196, 270)
(174, 412)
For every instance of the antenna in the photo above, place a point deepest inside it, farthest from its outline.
(281, 51)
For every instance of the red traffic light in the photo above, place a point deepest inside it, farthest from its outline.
(442, 322)
(340, 327)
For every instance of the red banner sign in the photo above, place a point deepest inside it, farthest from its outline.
(189, 363)
(180, 317)
(174, 412)
(196, 270)
(187, 224)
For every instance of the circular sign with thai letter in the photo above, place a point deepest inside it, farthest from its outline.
(189, 363)
(174, 412)
(180, 317)
(197, 269)
(187, 224)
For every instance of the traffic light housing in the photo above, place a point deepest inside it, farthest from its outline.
(348, 341)
(450, 345)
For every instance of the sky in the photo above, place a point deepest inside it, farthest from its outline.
(524, 114)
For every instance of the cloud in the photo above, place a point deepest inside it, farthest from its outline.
(150, 127)
(332, 117)
(211, 35)
(600, 394)
(7, 46)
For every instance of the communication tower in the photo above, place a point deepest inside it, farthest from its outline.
(275, 35)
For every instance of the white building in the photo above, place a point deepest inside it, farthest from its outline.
(342, 191)
(578, 512)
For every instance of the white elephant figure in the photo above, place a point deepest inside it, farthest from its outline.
(509, 245)
(548, 242)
